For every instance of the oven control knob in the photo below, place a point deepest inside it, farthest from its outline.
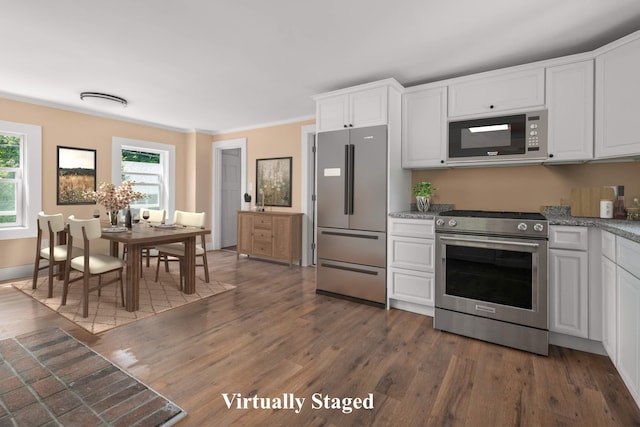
(440, 221)
(522, 226)
(538, 227)
(452, 223)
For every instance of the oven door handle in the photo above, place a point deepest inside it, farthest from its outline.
(493, 242)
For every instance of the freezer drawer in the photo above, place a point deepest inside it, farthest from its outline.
(358, 247)
(352, 280)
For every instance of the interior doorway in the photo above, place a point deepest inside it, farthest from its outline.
(227, 201)
(231, 186)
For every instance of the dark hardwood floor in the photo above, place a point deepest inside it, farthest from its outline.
(273, 336)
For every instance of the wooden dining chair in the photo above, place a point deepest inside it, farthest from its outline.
(176, 250)
(89, 264)
(55, 252)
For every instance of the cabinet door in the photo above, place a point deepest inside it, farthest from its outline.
(504, 91)
(412, 286)
(368, 107)
(411, 253)
(629, 330)
(424, 128)
(245, 233)
(609, 308)
(568, 292)
(617, 94)
(281, 237)
(332, 113)
(570, 112)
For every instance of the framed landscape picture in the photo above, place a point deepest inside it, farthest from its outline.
(273, 182)
(76, 175)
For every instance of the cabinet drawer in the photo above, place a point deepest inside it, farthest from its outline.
(262, 221)
(609, 245)
(262, 248)
(261, 234)
(412, 228)
(628, 253)
(358, 247)
(411, 253)
(412, 286)
(568, 237)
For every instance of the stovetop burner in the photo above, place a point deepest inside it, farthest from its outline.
(534, 216)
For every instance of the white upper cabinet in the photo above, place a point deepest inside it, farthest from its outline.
(501, 91)
(424, 127)
(351, 109)
(617, 95)
(569, 96)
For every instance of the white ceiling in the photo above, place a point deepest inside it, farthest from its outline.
(218, 65)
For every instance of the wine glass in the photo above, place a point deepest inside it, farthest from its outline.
(145, 216)
(96, 213)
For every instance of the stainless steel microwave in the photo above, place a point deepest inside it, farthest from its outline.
(513, 137)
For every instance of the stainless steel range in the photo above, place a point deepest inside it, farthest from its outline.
(491, 277)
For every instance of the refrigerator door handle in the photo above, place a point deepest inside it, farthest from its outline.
(361, 236)
(352, 156)
(347, 188)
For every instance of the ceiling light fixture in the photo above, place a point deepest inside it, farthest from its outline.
(102, 99)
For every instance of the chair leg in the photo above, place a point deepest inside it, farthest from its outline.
(36, 268)
(50, 283)
(158, 266)
(65, 287)
(85, 295)
(206, 266)
(100, 285)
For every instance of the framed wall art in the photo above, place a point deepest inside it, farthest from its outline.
(273, 182)
(76, 175)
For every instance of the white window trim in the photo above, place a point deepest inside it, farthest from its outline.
(118, 144)
(32, 187)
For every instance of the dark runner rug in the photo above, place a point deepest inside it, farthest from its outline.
(48, 378)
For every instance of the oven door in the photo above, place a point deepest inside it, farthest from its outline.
(495, 277)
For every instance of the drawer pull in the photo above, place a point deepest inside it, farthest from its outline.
(355, 270)
(361, 236)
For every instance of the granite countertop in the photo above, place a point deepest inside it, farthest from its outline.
(561, 215)
(556, 215)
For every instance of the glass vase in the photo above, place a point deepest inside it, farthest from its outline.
(113, 217)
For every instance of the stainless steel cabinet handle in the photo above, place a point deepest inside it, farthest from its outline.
(360, 236)
(355, 270)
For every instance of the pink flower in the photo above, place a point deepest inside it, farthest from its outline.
(115, 198)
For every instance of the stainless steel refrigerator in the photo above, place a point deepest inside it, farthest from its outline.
(352, 213)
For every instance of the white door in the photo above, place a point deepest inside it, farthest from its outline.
(230, 196)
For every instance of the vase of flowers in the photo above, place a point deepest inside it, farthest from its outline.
(115, 198)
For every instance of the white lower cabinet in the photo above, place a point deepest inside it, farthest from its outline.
(628, 321)
(569, 281)
(609, 296)
(410, 265)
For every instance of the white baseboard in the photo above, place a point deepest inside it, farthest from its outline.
(20, 272)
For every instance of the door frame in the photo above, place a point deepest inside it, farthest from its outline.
(308, 230)
(216, 186)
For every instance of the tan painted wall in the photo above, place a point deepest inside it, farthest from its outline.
(60, 127)
(526, 188)
(274, 141)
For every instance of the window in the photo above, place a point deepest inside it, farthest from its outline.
(151, 166)
(20, 179)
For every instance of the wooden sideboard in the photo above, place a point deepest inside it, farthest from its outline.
(276, 235)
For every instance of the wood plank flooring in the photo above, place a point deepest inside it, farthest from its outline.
(273, 336)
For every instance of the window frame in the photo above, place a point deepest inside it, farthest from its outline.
(30, 197)
(168, 166)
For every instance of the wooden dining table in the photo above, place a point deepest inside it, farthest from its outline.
(142, 236)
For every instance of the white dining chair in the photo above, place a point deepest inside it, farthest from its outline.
(55, 252)
(176, 250)
(89, 264)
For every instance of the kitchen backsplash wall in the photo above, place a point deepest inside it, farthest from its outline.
(526, 188)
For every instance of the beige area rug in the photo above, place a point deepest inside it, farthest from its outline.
(106, 311)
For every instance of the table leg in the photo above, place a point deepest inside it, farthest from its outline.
(190, 265)
(132, 284)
